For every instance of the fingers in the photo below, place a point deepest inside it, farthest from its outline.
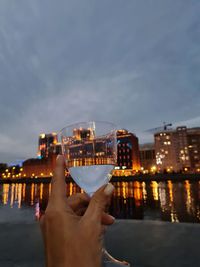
(107, 219)
(58, 181)
(78, 201)
(98, 203)
(57, 200)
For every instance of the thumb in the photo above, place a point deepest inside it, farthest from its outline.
(99, 202)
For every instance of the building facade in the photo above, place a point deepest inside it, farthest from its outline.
(128, 158)
(178, 150)
(39, 167)
(46, 144)
(193, 137)
(95, 150)
(148, 158)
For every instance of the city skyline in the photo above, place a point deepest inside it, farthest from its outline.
(65, 62)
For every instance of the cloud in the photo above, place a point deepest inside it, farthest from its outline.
(133, 63)
(193, 122)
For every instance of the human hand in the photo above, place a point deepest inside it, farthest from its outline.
(72, 240)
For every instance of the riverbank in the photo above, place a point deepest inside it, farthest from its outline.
(143, 178)
(142, 243)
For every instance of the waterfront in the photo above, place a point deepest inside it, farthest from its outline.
(162, 201)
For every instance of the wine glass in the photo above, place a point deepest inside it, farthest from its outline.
(90, 151)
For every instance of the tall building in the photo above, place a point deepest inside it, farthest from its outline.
(128, 157)
(148, 158)
(178, 150)
(46, 144)
(193, 137)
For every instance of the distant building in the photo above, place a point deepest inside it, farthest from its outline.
(148, 158)
(46, 144)
(98, 152)
(39, 167)
(128, 158)
(3, 167)
(178, 150)
(193, 137)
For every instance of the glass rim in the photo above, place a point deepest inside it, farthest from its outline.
(82, 122)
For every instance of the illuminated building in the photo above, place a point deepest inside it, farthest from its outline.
(39, 167)
(46, 144)
(178, 150)
(148, 158)
(84, 149)
(128, 158)
(81, 134)
(99, 151)
(96, 151)
(3, 167)
(193, 137)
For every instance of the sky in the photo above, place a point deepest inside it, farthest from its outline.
(135, 63)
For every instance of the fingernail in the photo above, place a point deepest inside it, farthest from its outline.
(109, 189)
(113, 218)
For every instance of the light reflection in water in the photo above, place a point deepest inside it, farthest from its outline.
(170, 187)
(154, 186)
(144, 191)
(137, 188)
(167, 201)
(41, 191)
(162, 196)
(189, 198)
(5, 193)
(12, 195)
(49, 189)
(19, 195)
(32, 194)
(23, 192)
(173, 214)
(16, 192)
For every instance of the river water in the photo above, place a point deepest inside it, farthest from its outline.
(163, 201)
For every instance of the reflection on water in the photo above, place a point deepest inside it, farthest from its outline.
(167, 201)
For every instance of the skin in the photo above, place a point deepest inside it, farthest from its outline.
(73, 227)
